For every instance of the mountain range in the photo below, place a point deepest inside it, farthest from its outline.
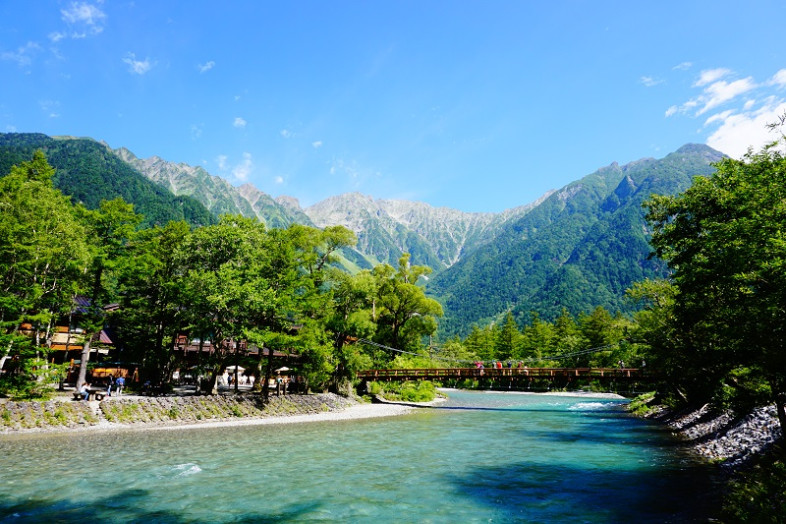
(575, 248)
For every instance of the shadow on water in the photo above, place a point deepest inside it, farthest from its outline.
(533, 492)
(130, 506)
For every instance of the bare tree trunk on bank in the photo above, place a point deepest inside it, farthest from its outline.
(268, 373)
(780, 407)
(84, 359)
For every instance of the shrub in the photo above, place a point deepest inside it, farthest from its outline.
(757, 495)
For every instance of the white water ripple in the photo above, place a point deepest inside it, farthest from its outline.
(590, 406)
(183, 470)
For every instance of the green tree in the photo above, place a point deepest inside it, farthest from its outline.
(509, 339)
(724, 238)
(600, 328)
(538, 338)
(350, 318)
(110, 229)
(404, 314)
(568, 337)
(153, 305)
(480, 342)
(222, 286)
(656, 332)
(42, 255)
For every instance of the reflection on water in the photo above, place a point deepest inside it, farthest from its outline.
(481, 457)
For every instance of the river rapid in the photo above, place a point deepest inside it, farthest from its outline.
(480, 457)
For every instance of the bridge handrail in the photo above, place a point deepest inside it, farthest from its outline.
(497, 372)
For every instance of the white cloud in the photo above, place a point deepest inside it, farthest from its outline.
(239, 122)
(350, 169)
(279, 180)
(720, 117)
(684, 66)
(87, 18)
(286, 133)
(244, 168)
(50, 107)
(317, 144)
(239, 171)
(23, 56)
(779, 78)
(139, 67)
(710, 75)
(648, 81)
(715, 92)
(720, 92)
(204, 68)
(737, 132)
(196, 131)
(56, 36)
(221, 160)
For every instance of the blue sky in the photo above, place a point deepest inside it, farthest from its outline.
(478, 106)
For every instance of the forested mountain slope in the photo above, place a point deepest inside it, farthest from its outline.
(88, 171)
(580, 248)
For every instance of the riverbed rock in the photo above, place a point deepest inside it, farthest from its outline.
(719, 436)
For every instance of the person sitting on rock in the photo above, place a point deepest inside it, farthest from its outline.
(85, 390)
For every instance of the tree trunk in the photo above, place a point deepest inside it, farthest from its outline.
(339, 375)
(9, 347)
(237, 358)
(84, 360)
(268, 373)
(780, 406)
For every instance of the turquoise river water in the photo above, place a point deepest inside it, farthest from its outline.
(481, 457)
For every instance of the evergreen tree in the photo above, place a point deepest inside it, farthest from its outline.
(509, 340)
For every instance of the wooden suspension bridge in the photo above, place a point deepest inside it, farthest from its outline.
(518, 377)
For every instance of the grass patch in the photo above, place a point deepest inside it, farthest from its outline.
(641, 405)
(407, 391)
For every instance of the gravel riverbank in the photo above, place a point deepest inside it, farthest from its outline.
(721, 437)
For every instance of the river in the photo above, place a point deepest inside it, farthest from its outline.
(480, 457)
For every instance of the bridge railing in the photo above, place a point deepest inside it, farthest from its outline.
(436, 373)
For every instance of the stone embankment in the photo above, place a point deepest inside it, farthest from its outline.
(159, 411)
(721, 437)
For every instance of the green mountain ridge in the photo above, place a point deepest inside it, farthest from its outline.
(581, 248)
(88, 171)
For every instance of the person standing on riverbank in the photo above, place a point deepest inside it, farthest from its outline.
(119, 383)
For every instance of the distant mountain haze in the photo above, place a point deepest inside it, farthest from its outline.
(575, 248)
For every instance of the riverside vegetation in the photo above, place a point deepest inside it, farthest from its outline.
(713, 329)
